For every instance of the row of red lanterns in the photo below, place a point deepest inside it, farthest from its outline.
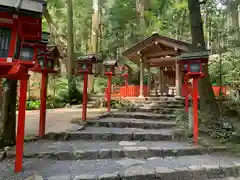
(85, 67)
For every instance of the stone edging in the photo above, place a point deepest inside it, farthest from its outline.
(110, 136)
(131, 124)
(116, 153)
(139, 172)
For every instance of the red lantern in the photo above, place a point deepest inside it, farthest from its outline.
(193, 67)
(84, 66)
(47, 61)
(193, 63)
(20, 34)
(109, 67)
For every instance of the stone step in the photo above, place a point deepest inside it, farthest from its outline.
(90, 150)
(131, 123)
(197, 167)
(163, 105)
(91, 104)
(160, 103)
(155, 110)
(154, 99)
(115, 134)
(140, 115)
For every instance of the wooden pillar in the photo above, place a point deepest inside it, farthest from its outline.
(161, 81)
(178, 79)
(141, 78)
(149, 79)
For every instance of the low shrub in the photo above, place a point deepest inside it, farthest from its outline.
(118, 104)
(51, 103)
(32, 105)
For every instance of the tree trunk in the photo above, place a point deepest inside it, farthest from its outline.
(94, 41)
(235, 25)
(10, 102)
(1, 108)
(235, 21)
(71, 60)
(140, 9)
(70, 37)
(208, 103)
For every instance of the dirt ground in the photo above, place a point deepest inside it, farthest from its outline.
(57, 120)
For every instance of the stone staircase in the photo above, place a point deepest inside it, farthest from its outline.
(139, 145)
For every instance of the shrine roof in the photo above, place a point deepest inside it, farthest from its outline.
(110, 62)
(157, 50)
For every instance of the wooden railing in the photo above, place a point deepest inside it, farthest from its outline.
(133, 91)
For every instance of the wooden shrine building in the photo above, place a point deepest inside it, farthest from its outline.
(159, 52)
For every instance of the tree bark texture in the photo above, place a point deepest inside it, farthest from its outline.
(208, 103)
(10, 102)
(235, 14)
(94, 41)
(1, 108)
(140, 9)
(71, 58)
(70, 37)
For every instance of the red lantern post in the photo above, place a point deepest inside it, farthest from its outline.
(85, 64)
(193, 63)
(47, 62)
(85, 98)
(21, 123)
(109, 66)
(21, 34)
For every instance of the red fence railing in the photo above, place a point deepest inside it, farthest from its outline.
(134, 91)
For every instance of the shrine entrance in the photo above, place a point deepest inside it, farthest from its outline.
(159, 52)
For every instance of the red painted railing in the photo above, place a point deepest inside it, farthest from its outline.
(130, 91)
(133, 91)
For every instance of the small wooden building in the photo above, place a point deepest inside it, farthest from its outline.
(159, 52)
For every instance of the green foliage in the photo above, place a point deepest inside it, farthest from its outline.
(230, 70)
(55, 103)
(51, 103)
(32, 105)
(100, 84)
(118, 104)
(58, 88)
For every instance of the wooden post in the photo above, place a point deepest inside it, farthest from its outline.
(141, 78)
(195, 110)
(178, 79)
(149, 79)
(42, 123)
(21, 124)
(85, 98)
(109, 93)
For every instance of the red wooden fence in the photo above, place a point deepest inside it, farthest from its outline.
(133, 91)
